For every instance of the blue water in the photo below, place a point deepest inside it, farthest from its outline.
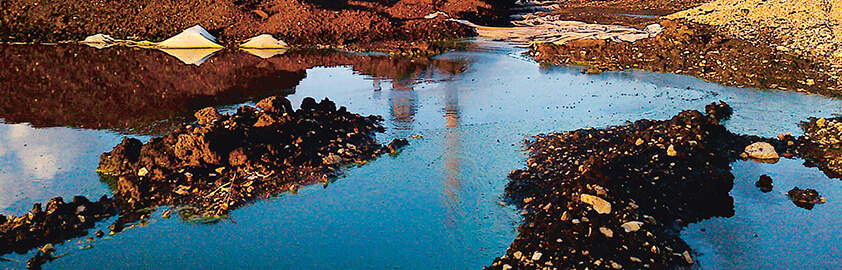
(436, 205)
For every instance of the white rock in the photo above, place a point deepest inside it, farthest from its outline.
(99, 41)
(653, 29)
(536, 256)
(600, 205)
(142, 172)
(193, 37)
(264, 41)
(507, 267)
(761, 150)
(632, 226)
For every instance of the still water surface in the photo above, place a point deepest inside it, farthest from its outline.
(436, 205)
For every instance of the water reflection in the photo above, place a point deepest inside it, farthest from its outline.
(38, 164)
(148, 91)
(432, 206)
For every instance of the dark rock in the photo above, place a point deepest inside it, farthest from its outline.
(396, 145)
(720, 111)
(805, 198)
(765, 183)
(275, 105)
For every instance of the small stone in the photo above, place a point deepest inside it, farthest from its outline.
(687, 257)
(518, 255)
(639, 142)
(761, 150)
(634, 259)
(536, 256)
(765, 183)
(99, 233)
(616, 265)
(654, 249)
(142, 172)
(606, 231)
(600, 205)
(671, 151)
(821, 122)
(632, 226)
(332, 159)
(805, 198)
(507, 267)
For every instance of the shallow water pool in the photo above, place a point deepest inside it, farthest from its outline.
(435, 205)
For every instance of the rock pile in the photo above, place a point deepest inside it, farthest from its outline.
(227, 160)
(821, 144)
(616, 197)
(54, 223)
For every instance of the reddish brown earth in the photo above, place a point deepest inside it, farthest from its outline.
(699, 51)
(394, 25)
(149, 92)
(623, 12)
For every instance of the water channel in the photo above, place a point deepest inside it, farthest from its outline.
(435, 205)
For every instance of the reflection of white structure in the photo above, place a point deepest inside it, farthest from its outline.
(265, 53)
(191, 56)
(39, 164)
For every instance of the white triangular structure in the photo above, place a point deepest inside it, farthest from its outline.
(191, 56)
(193, 37)
(265, 53)
(264, 41)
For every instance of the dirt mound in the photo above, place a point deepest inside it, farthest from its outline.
(394, 25)
(701, 51)
(617, 197)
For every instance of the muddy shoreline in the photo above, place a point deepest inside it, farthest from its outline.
(392, 26)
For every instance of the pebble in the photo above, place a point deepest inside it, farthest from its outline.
(536, 256)
(761, 150)
(671, 151)
(632, 226)
(600, 205)
(606, 231)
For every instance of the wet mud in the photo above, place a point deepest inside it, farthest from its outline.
(390, 25)
(149, 92)
(699, 51)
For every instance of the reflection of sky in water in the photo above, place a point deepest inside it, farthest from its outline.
(435, 205)
(39, 164)
(768, 230)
